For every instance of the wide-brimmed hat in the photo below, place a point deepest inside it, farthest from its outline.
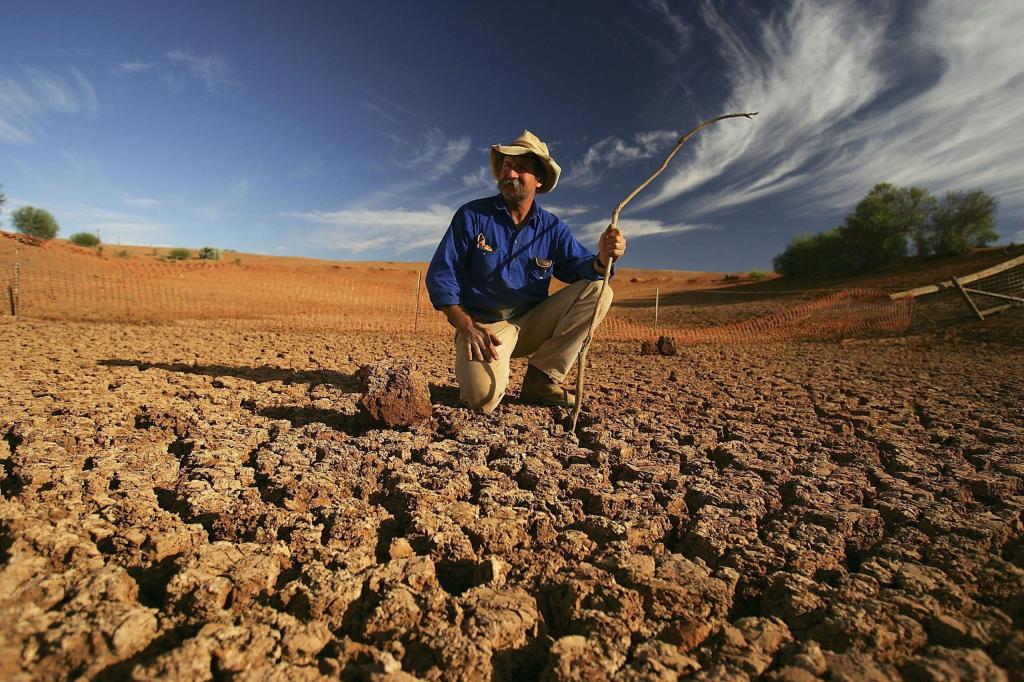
(527, 143)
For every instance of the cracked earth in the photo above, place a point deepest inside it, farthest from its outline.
(196, 501)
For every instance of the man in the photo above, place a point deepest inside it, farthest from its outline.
(490, 277)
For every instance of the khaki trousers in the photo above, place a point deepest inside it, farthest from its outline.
(550, 334)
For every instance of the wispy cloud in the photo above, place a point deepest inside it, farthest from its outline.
(681, 31)
(480, 179)
(212, 70)
(359, 230)
(612, 152)
(432, 150)
(564, 212)
(844, 106)
(142, 202)
(135, 66)
(633, 228)
(25, 101)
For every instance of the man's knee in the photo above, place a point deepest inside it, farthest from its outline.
(595, 288)
(477, 398)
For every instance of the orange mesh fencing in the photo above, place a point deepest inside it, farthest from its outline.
(45, 280)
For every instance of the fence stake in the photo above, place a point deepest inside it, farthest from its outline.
(657, 293)
(16, 291)
(416, 319)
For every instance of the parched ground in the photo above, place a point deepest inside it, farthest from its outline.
(198, 501)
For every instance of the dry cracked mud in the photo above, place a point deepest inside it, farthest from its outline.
(196, 501)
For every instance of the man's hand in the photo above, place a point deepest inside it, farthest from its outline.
(611, 247)
(480, 344)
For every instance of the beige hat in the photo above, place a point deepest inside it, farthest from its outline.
(527, 143)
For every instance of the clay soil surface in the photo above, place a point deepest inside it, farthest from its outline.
(193, 501)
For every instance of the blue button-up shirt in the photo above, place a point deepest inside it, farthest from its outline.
(497, 272)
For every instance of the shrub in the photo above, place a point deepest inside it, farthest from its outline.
(36, 222)
(813, 255)
(123, 253)
(877, 232)
(960, 222)
(209, 253)
(179, 254)
(87, 239)
(759, 274)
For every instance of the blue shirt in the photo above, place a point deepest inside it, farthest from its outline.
(497, 272)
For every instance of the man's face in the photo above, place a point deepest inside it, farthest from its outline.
(517, 178)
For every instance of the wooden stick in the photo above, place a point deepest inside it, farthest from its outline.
(967, 298)
(966, 279)
(581, 359)
(993, 295)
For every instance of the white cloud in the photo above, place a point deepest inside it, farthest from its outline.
(681, 31)
(564, 212)
(135, 66)
(433, 150)
(142, 202)
(847, 101)
(633, 228)
(482, 178)
(212, 70)
(612, 152)
(25, 102)
(357, 230)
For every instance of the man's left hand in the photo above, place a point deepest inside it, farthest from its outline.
(612, 245)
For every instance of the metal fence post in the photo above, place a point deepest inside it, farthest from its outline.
(416, 319)
(657, 295)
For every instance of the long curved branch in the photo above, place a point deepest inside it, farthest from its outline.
(581, 359)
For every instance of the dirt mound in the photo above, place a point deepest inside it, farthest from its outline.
(191, 502)
(395, 394)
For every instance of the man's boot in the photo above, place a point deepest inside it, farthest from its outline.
(540, 389)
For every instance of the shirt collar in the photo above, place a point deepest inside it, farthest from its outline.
(535, 211)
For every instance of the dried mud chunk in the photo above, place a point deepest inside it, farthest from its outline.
(685, 602)
(795, 599)
(666, 346)
(939, 663)
(656, 660)
(648, 347)
(748, 646)
(872, 625)
(395, 394)
(574, 658)
(857, 667)
(498, 620)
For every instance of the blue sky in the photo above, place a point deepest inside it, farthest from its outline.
(353, 130)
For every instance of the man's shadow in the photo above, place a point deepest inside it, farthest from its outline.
(298, 416)
(349, 383)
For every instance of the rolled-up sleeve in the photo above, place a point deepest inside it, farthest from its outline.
(444, 280)
(573, 261)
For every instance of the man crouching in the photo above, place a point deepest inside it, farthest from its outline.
(490, 276)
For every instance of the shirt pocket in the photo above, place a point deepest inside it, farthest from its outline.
(538, 268)
(483, 265)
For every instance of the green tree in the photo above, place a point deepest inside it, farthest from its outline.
(3, 199)
(813, 255)
(87, 239)
(36, 222)
(876, 234)
(960, 222)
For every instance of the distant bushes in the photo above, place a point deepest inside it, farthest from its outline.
(86, 239)
(209, 253)
(878, 233)
(35, 222)
(179, 254)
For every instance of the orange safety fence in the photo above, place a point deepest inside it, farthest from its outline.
(57, 282)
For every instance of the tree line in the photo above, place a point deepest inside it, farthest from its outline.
(881, 229)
